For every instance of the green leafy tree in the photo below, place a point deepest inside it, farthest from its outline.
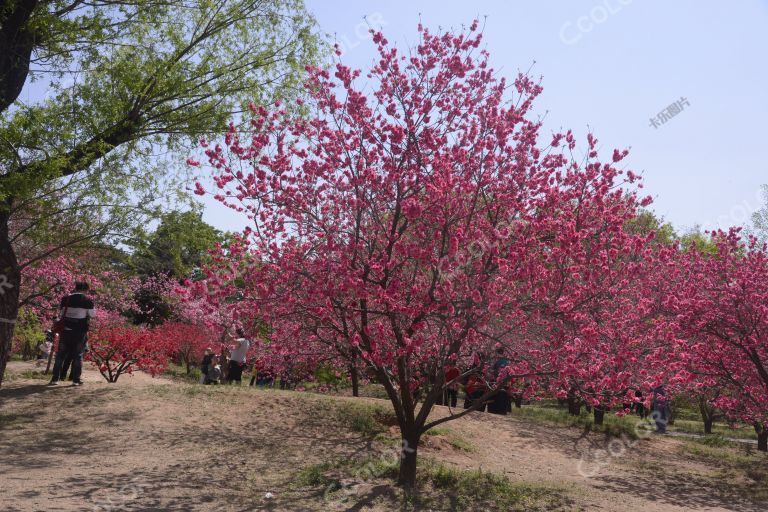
(760, 218)
(178, 246)
(176, 250)
(701, 240)
(646, 222)
(29, 334)
(131, 83)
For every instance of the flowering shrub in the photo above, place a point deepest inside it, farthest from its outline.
(117, 348)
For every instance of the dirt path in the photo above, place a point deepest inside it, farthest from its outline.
(152, 444)
(647, 475)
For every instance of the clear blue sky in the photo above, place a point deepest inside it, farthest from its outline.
(612, 65)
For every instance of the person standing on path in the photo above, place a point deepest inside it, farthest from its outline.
(237, 358)
(451, 392)
(76, 311)
(661, 411)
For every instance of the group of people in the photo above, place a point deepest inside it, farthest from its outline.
(476, 386)
(228, 367)
(475, 381)
(75, 312)
(210, 366)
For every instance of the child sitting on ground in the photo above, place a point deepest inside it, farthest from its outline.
(205, 364)
(214, 374)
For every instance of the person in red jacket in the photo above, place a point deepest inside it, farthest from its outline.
(474, 389)
(451, 392)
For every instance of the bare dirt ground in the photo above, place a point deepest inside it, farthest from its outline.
(155, 444)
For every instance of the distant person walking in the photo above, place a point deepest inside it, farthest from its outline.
(76, 310)
(237, 358)
(660, 406)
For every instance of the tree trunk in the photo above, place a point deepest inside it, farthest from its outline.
(17, 39)
(355, 376)
(707, 415)
(10, 280)
(518, 401)
(574, 404)
(188, 365)
(599, 412)
(407, 474)
(762, 437)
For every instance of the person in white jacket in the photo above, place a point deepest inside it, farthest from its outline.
(237, 358)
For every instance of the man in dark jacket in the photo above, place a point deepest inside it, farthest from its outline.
(76, 310)
(499, 402)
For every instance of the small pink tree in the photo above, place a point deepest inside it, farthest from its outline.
(421, 222)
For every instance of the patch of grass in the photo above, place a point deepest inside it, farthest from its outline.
(314, 475)
(373, 390)
(721, 429)
(687, 420)
(34, 374)
(179, 372)
(460, 443)
(722, 452)
(368, 419)
(191, 390)
(334, 475)
(31, 374)
(440, 487)
(612, 425)
(481, 490)
(371, 468)
(451, 437)
(713, 440)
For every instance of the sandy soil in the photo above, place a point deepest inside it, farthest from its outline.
(154, 444)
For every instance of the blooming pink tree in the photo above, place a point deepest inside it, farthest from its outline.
(45, 282)
(423, 221)
(189, 339)
(618, 347)
(720, 311)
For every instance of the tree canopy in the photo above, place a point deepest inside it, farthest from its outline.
(178, 246)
